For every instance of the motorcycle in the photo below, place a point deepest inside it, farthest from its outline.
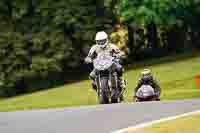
(146, 93)
(106, 79)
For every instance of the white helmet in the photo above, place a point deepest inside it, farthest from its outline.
(101, 39)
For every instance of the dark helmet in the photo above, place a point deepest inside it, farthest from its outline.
(146, 76)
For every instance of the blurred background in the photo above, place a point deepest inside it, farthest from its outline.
(43, 42)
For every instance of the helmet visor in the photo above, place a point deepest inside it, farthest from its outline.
(101, 42)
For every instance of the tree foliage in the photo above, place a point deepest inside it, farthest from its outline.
(40, 37)
(167, 24)
(43, 38)
(161, 12)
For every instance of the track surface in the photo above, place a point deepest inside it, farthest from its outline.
(92, 119)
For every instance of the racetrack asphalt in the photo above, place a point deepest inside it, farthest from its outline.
(92, 119)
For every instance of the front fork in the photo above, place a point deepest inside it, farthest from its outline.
(98, 81)
(112, 82)
(99, 86)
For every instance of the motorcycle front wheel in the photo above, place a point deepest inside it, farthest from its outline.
(103, 94)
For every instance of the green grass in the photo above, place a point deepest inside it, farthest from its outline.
(182, 125)
(176, 76)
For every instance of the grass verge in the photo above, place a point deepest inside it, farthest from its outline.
(176, 76)
(182, 125)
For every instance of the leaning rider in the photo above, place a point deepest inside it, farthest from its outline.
(148, 79)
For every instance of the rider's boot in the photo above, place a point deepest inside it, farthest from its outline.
(92, 77)
(122, 83)
(94, 86)
(122, 86)
(121, 98)
(157, 95)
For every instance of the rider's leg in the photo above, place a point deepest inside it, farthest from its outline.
(157, 94)
(92, 77)
(121, 81)
(119, 70)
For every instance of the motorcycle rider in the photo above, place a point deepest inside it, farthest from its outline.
(147, 79)
(104, 46)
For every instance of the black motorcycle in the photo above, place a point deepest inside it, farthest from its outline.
(145, 93)
(106, 80)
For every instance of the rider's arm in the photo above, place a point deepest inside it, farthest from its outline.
(156, 86)
(91, 55)
(117, 52)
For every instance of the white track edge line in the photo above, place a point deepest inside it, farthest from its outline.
(146, 124)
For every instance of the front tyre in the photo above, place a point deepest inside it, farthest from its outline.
(121, 98)
(103, 95)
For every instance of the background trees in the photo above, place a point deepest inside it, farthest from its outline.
(39, 38)
(42, 40)
(167, 24)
